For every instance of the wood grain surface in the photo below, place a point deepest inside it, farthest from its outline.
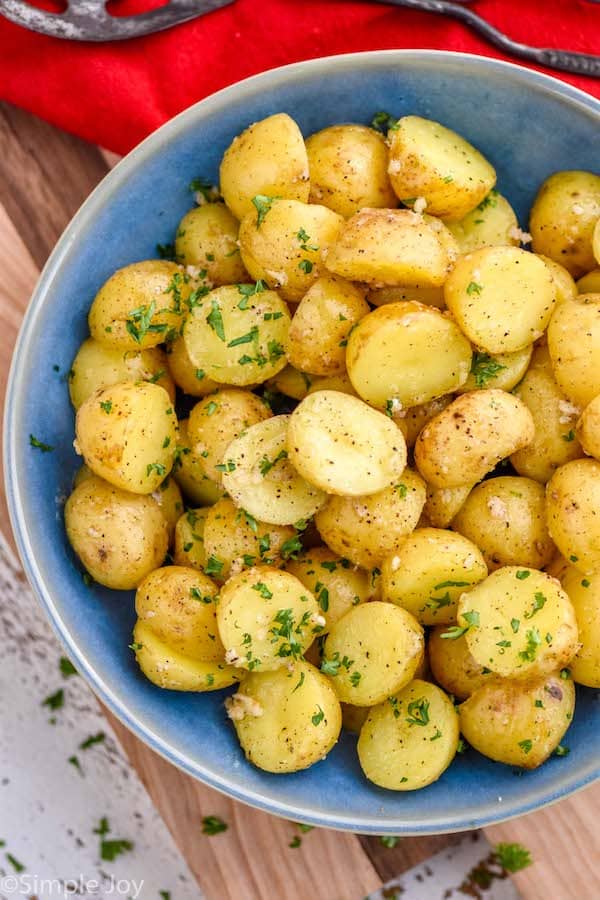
(45, 174)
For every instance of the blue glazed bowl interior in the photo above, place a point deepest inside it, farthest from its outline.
(528, 125)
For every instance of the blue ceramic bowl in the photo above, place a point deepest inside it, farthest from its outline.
(528, 125)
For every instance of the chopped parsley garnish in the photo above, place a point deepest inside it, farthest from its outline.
(296, 841)
(526, 745)
(515, 625)
(106, 406)
(263, 205)
(318, 716)
(322, 595)
(418, 712)
(490, 200)
(522, 574)
(262, 589)
(215, 319)
(196, 594)
(205, 188)
(300, 683)
(561, 751)
(110, 850)
(55, 701)
(135, 647)
(266, 464)
(66, 667)
(139, 322)
(402, 491)
(211, 408)
(228, 466)
(39, 445)
(305, 266)
(383, 122)
(332, 666)
(17, 866)
(92, 739)
(247, 338)
(538, 603)
(569, 436)
(214, 566)
(291, 548)
(457, 631)
(355, 678)
(155, 467)
(213, 825)
(533, 641)
(200, 374)
(389, 840)
(512, 857)
(484, 368)
(249, 290)
(304, 238)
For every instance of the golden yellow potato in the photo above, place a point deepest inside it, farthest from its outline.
(127, 434)
(266, 618)
(519, 723)
(386, 352)
(237, 334)
(207, 239)
(428, 573)
(588, 428)
(557, 566)
(430, 296)
(573, 508)
(588, 284)
(119, 537)
(411, 421)
(564, 285)
(584, 594)
(174, 671)
(348, 169)
(430, 161)
(365, 529)
(140, 306)
(574, 345)
(188, 472)
(189, 539)
(468, 438)
(342, 446)
(493, 223)
(97, 366)
(291, 382)
(563, 217)
(596, 241)
(518, 622)
(239, 541)
(339, 383)
(506, 517)
(501, 297)
(333, 580)
(555, 440)
(261, 479)
(286, 720)
(372, 652)
(185, 374)
(391, 246)
(321, 324)
(410, 739)
(169, 499)
(268, 159)
(452, 665)
(442, 504)
(502, 371)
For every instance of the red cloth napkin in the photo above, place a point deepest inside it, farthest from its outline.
(115, 94)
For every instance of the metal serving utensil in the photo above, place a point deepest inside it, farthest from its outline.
(563, 60)
(88, 20)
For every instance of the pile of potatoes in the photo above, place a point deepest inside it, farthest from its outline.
(345, 446)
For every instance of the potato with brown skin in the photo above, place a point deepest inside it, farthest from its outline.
(467, 439)
(563, 217)
(348, 169)
(573, 505)
(563, 281)
(119, 537)
(574, 345)
(411, 421)
(506, 517)
(502, 371)
(588, 284)
(442, 504)
(430, 296)
(452, 665)
(140, 305)
(321, 324)
(97, 366)
(268, 158)
(584, 594)
(170, 502)
(188, 472)
(207, 238)
(493, 223)
(518, 723)
(588, 428)
(189, 539)
(185, 374)
(291, 382)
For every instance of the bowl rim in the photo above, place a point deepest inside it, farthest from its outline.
(40, 584)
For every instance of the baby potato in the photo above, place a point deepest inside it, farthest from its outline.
(588, 428)
(468, 438)
(97, 366)
(191, 380)
(506, 516)
(127, 434)
(188, 472)
(452, 665)
(563, 282)
(386, 352)
(261, 479)
(429, 571)
(411, 421)
(372, 652)
(519, 723)
(573, 508)
(174, 671)
(348, 169)
(563, 217)
(555, 440)
(518, 622)
(207, 238)
(588, 284)
(140, 305)
(119, 537)
(574, 345)
(596, 241)
(268, 158)
(266, 619)
(502, 371)
(430, 161)
(410, 739)
(430, 296)
(178, 604)
(493, 223)
(237, 540)
(390, 247)
(285, 245)
(342, 446)
(320, 326)
(237, 333)
(442, 504)
(216, 421)
(584, 594)
(189, 539)
(353, 717)
(169, 499)
(365, 529)
(333, 580)
(501, 297)
(339, 383)
(286, 720)
(291, 382)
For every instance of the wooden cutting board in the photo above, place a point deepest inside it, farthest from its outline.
(45, 175)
